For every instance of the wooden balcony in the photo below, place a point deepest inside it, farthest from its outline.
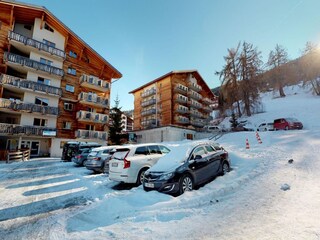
(196, 114)
(95, 83)
(194, 86)
(27, 62)
(208, 101)
(195, 104)
(149, 92)
(148, 112)
(179, 88)
(207, 109)
(88, 134)
(14, 129)
(194, 95)
(27, 85)
(197, 122)
(36, 44)
(86, 116)
(148, 102)
(93, 100)
(149, 123)
(181, 99)
(27, 107)
(181, 109)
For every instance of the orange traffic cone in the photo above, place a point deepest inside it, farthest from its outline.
(247, 144)
(258, 138)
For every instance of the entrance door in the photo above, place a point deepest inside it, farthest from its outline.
(34, 147)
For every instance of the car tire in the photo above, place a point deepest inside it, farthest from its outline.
(225, 168)
(84, 163)
(265, 129)
(185, 184)
(286, 128)
(105, 169)
(141, 176)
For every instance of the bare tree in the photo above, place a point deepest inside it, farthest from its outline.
(277, 61)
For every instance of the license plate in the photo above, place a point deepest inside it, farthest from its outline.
(114, 164)
(149, 185)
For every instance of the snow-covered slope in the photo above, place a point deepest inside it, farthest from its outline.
(250, 202)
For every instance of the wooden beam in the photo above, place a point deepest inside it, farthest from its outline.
(80, 56)
(42, 20)
(11, 17)
(102, 69)
(66, 42)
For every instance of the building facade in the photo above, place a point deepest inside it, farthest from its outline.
(53, 86)
(180, 99)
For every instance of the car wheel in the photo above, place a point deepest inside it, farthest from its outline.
(265, 129)
(106, 168)
(225, 168)
(84, 163)
(140, 177)
(287, 128)
(186, 184)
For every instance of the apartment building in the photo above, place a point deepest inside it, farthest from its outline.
(127, 122)
(179, 99)
(53, 86)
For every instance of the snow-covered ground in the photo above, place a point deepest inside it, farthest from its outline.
(263, 197)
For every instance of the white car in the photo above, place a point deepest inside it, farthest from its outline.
(265, 127)
(129, 163)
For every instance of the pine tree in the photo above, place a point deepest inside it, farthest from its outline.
(116, 124)
(233, 121)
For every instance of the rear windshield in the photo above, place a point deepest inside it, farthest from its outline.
(120, 154)
(93, 153)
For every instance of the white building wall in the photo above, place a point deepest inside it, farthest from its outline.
(19, 28)
(55, 63)
(27, 119)
(33, 76)
(29, 97)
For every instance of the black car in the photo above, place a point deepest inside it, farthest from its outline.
(187, 166)
(71, 149)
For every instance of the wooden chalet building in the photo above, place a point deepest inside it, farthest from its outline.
(179, 99)
(53, 86)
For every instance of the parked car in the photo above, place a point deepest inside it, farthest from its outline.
(287, 123)
(265, 127)
(98, 158)
(187, 166)
(213, 129)
(71, 149)
(129, 163)
(81, 158)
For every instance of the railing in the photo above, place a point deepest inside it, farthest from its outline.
(194, 86)
(148, 102)
(27, 107)
(150, 122)
(207, 100)
(194, 95)
(36, 44)
(92, 98)
(11, 129)
(94, 81)
(92, 116)
(18, 155)
(207, 109)
(88, 134)
(197, 122)
(196, 114)
(14, 58)
(182, 120)
(195, 104)
(27, 84)
(181, 99)
(181, 89)
(148, 112)
(149, 92)
(182, 109)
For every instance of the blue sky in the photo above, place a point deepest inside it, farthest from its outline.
(145, 39)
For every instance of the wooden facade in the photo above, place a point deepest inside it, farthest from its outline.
(86, 77)
(179, 98)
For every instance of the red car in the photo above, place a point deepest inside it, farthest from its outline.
(287, 123)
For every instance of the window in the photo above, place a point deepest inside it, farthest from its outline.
(28, 27)
(47, 27)
(209, 149)
(46, 61)
(41, 101)
(198, 151)
(44, 81)
(68, 106)
(69, 88)
(73, 54)
(90, 127)
(50, 44)
(66, 125)
(72, 71)
(39, 122)
(163, 149)
(141, 151)
(154, 149)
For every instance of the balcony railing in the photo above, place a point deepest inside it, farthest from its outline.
(10, 129)
(207, 108)
(36, 44)
(196, 114)
(182, 120)
(207, 101)
(14, 58)
(88, 134)
(148, 102)
(149, 123)
(179, 88)
(93, 99)
(92, 117)
(27, 84)
(194, 86)
(94, 82)
(182, 109)
(148, 112)
(197, 122)
(194, 95)
(195, 104)
(149, 92)
(181, 99)
(27, 107)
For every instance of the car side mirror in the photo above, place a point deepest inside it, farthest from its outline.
(197, 157)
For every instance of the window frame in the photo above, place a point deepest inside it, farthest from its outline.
(68, 86)
(72, 71)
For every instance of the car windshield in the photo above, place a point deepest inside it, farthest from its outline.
(93, 153)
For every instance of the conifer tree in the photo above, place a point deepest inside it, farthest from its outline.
(115, 123)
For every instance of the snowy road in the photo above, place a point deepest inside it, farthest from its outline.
(49, 199)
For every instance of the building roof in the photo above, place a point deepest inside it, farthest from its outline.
(195, 72)
(30, 11)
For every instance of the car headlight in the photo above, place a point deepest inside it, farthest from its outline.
(166, 176)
